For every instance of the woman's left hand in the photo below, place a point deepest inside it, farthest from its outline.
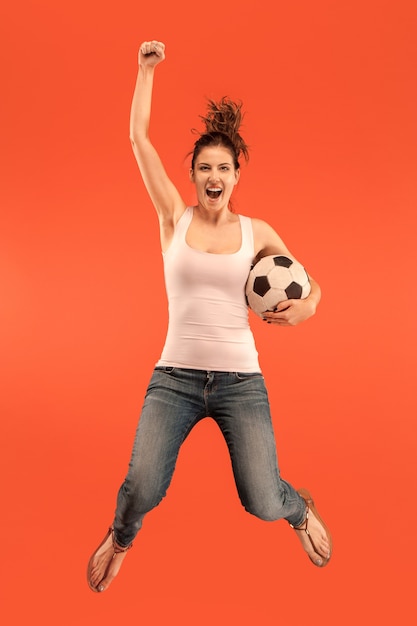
(291, 312)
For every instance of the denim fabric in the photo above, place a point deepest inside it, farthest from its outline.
(176, 400)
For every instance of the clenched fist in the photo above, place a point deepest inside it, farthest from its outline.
(151, 53)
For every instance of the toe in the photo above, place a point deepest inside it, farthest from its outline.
(105, 583)
(94, 579)
(314, 555)
(324, 548)
(102, 586)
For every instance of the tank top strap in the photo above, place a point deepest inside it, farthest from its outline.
(183, 224)
(248, 244)
(180, 231)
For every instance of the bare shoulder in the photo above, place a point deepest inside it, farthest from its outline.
(266, 239)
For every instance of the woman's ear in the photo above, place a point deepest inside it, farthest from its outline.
(191, 174)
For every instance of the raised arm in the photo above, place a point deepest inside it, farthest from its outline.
(164, 195)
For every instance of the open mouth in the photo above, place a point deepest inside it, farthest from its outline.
(213, 192)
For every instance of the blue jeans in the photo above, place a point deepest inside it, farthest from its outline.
(176, 400)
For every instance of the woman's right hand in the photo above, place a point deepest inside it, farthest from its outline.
(151, 53)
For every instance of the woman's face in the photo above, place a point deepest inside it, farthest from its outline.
(214, 176)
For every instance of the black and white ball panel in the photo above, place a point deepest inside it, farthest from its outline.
(275, 278)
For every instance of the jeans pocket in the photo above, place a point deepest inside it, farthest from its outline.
(248, 375)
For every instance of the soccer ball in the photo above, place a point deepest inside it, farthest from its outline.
(275, 278)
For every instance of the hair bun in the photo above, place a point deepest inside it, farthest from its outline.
(225, 116)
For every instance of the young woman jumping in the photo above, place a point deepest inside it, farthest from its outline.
(209, 365)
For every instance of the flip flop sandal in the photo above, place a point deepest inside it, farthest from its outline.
(306, 496)
(116, 550)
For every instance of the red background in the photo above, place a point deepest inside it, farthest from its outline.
(330, 93)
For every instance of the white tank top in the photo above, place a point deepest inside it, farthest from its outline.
(208, 325)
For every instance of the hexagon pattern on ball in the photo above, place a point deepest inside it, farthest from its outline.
(275, 278)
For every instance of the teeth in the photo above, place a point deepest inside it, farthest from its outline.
(214, 192)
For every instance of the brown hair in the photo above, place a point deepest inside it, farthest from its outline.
(222, 123)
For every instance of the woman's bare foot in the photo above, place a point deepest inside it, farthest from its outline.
(105, 563)
(313, 534)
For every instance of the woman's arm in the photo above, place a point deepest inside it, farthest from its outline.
(292, 312)
(288, 312)
(164, 195)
